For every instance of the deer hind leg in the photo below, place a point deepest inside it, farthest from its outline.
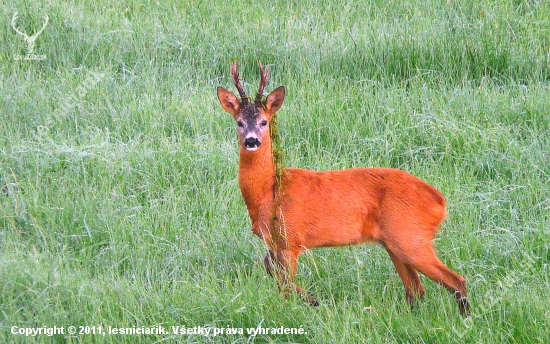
(413, 286)
(425, 261)
(283, 267)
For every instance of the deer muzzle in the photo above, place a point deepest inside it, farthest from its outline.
(252, 143)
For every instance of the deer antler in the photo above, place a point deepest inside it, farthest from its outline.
(237, 82)
(47, 19)
(27, 38)
(13, 22)
(264, 74)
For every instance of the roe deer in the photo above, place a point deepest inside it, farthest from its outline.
(332, 208)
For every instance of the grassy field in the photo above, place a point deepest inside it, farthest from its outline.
(119, 202)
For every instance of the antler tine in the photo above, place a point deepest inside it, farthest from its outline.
(264, 74)
(237, 82)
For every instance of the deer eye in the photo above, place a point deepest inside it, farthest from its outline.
(264, 123)
(240, 124)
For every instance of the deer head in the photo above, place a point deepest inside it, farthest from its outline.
(252, 118)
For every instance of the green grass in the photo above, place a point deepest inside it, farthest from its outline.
(119, 202)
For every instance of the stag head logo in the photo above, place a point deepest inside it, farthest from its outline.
(29, 39)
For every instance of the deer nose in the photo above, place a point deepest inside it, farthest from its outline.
(251, 143)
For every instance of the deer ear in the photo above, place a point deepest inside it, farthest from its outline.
(229, 102)
(274, 100)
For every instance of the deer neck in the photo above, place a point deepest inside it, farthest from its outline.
(257, 177)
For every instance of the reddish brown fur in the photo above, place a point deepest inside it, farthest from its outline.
(335, 208)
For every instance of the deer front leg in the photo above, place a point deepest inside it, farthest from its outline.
(270, 261)
(283, 267)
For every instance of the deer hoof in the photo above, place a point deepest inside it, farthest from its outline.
(311, 299)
